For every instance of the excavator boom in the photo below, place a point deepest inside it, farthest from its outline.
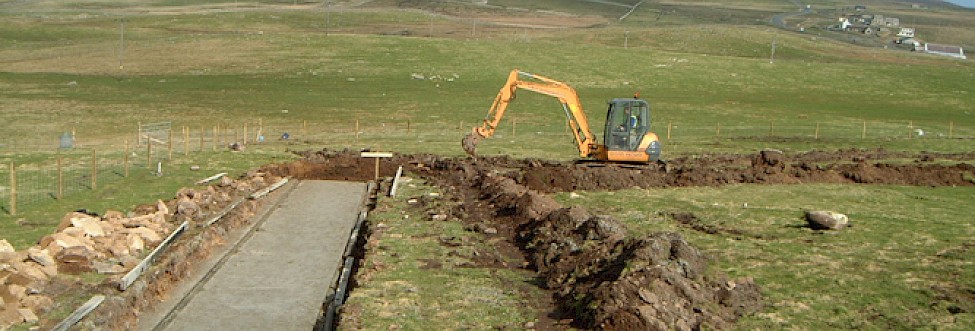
(543, 85)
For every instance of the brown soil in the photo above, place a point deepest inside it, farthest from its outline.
(598, 277)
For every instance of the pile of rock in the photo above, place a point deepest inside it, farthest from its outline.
(110, 244)
(83, 243)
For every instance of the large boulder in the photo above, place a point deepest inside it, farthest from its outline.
(826, 220)
(90, 225)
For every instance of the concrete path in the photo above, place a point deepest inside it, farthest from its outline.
(278, 278)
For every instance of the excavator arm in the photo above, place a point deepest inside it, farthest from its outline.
(566, 95)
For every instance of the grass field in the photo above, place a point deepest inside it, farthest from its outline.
(99, 68)
(905, 263)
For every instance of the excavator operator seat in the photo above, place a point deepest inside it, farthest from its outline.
(627, 121)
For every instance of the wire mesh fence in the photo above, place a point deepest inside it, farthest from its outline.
(31, 174)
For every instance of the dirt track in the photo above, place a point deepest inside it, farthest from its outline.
(598, 277)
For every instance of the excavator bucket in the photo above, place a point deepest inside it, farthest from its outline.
(470, 142)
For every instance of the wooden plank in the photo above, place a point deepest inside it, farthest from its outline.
(269, 189)
(211, 178)
(375, 154)
(224, 212)
(80, 313)
(392, 190)
(134, 274)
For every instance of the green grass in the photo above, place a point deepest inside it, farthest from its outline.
(410, 280)
(704, 67)
(41, 215)
(906, 259)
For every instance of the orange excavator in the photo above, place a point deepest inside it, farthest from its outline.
(627, 137)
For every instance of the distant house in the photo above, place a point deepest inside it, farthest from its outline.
(859, 7)
(877, 20)
(906, 33)
(946, 50)
(892, 21)
(868, 30)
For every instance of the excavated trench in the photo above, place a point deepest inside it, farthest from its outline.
(599, 277)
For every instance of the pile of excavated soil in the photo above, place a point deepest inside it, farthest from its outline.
(598, 276)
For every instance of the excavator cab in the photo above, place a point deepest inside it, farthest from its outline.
(627, 133)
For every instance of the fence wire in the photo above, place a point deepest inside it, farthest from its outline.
(39, 176)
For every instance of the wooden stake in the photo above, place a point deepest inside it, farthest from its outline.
(244, 141)
(13, 189)
(357, 131)
(770, 128)
(217, 136)
(60, 177)
(670, 125)
(304, 128)
(910, 130)
(864, 134)
(169, 144)
(149, 154)
(94, 170)
(717, 130)
(202, 133)
(377, 169)
(138, 134)
(816, 136)
(213, 145)
(407, 126)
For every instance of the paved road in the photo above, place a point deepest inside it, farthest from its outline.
(278, 278)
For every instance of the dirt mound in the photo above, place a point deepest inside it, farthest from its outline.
(608, 281)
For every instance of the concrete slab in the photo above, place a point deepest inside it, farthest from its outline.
(279, 277)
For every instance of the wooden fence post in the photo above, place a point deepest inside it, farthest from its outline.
(186, 140)
(910, 130)
(717, 131)
(94, 170)
(864, 134)
(138, 134)
(244, 141)
(816, 136)
(125, 160)
(304, 128)
(514, 127)
(357, 131)
(770, 128)
(60, 177)
(13, 189)
(407, 126)
(670, 125)
(149, 154)
(169, 144)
